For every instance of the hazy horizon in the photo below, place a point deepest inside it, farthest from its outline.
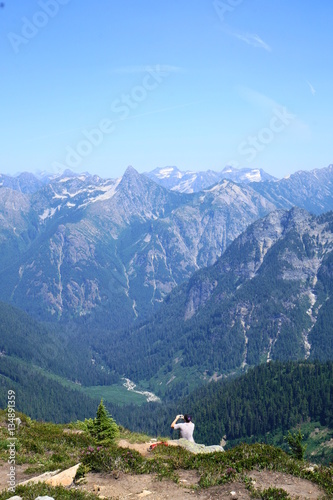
(42, 173)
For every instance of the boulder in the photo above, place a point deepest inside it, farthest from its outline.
(64, 478)
(55, 478)
(40, 479)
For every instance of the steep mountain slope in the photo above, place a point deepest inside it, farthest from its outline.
(113, 249)
(311, 190)
(22, 339)
(18, 225)
(267, 297)
(40, 396)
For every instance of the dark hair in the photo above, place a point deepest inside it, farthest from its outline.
(187, 418)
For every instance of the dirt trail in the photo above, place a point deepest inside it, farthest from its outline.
(125, 486)
(19, 474)
(294, 486)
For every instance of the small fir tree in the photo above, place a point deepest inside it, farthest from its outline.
(104, 428)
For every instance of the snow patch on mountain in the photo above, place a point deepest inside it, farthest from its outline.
(254, 176)
(109, 192)
(167, 172)
(186, 186)
(49, 212)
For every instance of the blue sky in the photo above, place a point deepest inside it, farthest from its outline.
(199, 84)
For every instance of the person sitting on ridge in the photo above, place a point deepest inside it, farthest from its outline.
(186, 428)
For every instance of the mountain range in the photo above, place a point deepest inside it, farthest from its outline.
(82, 245)
(82, 248)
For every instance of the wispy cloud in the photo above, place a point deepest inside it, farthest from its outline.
(267, 104)
(259, 99)
(252, 39)
(313, 90)
(149, 67)
(249, 38)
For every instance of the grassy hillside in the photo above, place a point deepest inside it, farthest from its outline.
(49, 446)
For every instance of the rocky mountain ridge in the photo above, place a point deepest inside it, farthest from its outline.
(312, 190)
(82, 243)
(76, 246)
